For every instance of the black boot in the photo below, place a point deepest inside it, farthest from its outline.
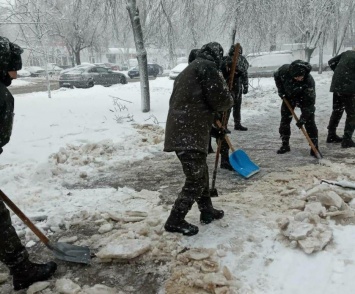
(225, 164)
(239, 127)
(177, 224)
(347, 143)
(27, 273)
(333, 138)
(283, 149)
(208, 213)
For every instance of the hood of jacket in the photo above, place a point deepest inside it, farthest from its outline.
(299, 68)
(212, 51)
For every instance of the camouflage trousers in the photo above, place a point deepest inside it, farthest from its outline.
(12, 252)
(196, 185)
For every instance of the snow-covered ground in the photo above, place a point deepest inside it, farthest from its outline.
(79, 134)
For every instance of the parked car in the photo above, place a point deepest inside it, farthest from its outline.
(152, 71)
(53, 68)
(22, 73)
(157, 67)
(177, 70)
(35, 71)
(76, 67)
(266, 65)
(86, 77)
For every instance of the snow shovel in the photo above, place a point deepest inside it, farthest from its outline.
(343, 184)
(240, 161)
(213, 190)
(62, 251)
(316, 152)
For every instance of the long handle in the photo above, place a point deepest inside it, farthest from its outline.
(224, 115)
(218, 123)
(24, 218)
(316, 152)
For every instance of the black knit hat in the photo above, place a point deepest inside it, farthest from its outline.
(15, 62)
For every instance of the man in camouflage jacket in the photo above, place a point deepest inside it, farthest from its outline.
(12, 253)
(199, 92)
(295, 83)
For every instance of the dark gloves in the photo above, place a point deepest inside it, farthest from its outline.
(245, 90)
(300, 123)
(217, 132)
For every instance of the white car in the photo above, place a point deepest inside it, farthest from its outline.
(22, 73)
(177, 70)
(53, 68)
(266, 64)
(36, 71)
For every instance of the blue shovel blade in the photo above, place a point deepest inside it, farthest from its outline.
(242, 164)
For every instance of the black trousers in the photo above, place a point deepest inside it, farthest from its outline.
(196, 184)
(236, 108)
(337, 113)
(12, 252)
(285, 128)
(349, 103)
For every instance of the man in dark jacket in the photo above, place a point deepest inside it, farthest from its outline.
(199, 92)
(295, 83)
(12, 253)
(240, 87)
(343, 88)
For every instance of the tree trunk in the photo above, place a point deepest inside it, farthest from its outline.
(321, 47)
(141, 53)
(308, 53)
(77, 57)
(172, 55)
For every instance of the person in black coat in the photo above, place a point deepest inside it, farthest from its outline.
(343, 88)
(199, 92)
(295, 83)
(12, 253)
(241, 86)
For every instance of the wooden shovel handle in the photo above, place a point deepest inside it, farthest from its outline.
(24, 218)
(316, 152)
(218, 123)
(224, 115)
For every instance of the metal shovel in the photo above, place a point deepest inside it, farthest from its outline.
(62, 251)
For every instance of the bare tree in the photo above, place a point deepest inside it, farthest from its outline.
(78, 25)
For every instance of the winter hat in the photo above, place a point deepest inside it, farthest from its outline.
(15, 62)
(299, 68)
(193, 55)
(212, 51)
(231, 50)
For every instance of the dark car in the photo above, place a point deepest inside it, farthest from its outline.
(157, 67)
(86, 77)
(152, 71)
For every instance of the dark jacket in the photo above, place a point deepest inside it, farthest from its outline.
(10, 60)
(343, 66)
(199, 91)
(240, 80)
(301, 94)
